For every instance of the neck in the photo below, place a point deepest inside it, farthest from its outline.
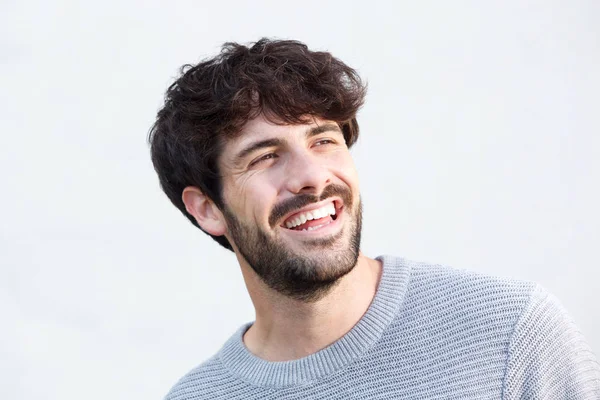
(287, 329)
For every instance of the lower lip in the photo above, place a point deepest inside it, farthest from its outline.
(329, 228)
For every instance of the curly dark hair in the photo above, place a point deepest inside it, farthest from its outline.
(210, 103)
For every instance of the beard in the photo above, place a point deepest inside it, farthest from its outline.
(306, 276)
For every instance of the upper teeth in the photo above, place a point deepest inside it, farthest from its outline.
(324, 211)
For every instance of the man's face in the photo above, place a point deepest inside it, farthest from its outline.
(292, 204)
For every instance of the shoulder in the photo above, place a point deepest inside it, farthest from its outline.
(438, 285)
(199, 383)
(543, 352)
(548, 356)
(213, 379)
(457, 307)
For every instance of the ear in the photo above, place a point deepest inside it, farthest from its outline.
(204, 210)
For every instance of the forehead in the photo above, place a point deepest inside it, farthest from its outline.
(260, 128)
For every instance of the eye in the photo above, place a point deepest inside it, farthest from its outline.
(322, 142)
(263, 158)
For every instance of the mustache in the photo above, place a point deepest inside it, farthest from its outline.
(302, 200)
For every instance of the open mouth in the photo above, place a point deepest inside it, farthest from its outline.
(313, 219)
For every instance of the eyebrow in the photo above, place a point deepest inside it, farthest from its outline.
(275, 142)
(322, 129)
(256, 146)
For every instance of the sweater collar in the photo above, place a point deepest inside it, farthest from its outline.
(367, 331)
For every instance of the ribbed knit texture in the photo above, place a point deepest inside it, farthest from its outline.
(431, 332)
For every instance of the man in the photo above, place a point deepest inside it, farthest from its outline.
(252, 146)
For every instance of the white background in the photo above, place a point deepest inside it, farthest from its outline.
(479, 149)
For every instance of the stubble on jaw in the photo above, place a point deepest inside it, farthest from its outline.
(294, 275)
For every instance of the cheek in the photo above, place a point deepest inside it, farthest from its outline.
(235, 197)
(253, 198)
(346, 170)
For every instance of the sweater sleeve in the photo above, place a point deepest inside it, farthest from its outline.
(548, 358)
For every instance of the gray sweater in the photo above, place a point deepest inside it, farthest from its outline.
(431, 332)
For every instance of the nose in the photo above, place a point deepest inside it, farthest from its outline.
(307, 174)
